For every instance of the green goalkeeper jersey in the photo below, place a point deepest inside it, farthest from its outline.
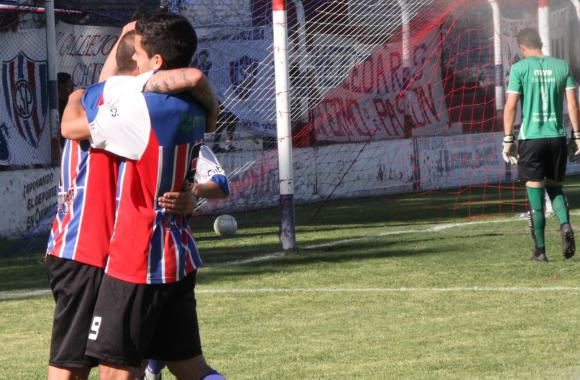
(542, 83)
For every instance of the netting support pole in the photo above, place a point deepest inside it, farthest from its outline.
(498, 66)
(577, 6)
(284, 130)
(497, 59)
(544, 26)
(304, 61)
(406, 58)
(52, 84)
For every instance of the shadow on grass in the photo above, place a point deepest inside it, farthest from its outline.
(331, 255)
(20, 267)
(21, 273)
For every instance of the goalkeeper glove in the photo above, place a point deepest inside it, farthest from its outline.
(510, 154)
(574, 147)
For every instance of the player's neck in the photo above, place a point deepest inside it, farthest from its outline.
(536, 53)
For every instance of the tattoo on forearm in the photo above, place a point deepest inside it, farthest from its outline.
(188, 82)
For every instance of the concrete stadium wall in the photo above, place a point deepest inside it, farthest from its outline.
(28, 196)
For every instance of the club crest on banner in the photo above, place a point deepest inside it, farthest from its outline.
(243, 76)
(25, 89)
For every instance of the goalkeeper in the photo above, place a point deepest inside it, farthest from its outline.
(541, 82)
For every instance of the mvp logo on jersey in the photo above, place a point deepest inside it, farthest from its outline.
(25, 89)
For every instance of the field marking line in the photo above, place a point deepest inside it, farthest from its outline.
(474, 289)
(250, 260)
(8, 295)
(16, 294)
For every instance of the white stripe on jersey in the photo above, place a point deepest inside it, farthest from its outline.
(162, 250)
(148, 279)
(70, 206)
(176, 244)
(87, 174)
(120, 185)
(159, 170)
(174, 169)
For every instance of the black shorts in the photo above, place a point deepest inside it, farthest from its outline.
(75, 287)
(542, 158)
(132, 322)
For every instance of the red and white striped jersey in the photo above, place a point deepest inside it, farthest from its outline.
(85, 216)
(156, 134)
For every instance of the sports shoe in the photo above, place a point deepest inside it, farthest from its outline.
(568, 243)
(539, 256)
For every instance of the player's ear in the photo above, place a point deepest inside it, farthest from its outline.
(158, 61)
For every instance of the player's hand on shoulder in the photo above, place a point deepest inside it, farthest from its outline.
(510, 151)
(574, 147)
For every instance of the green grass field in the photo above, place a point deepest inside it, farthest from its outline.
(399, 287)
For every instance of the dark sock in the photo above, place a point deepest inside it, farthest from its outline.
(537, 218)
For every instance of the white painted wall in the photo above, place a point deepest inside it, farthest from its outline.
(27, 197)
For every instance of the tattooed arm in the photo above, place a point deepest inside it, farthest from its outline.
(187, 79)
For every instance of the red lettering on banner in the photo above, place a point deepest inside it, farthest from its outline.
(394, 69)
(370, 101)
(382, 82)
(385, 110)
(341, 128)
(419, 58)
(350, 120)
(67, 42)
(325, 117)
(86, 74)
(426, 101)
(400, 104)
(355, 80)
(368, 73)
(108, 44)
(89, 45)
(88, 50)
(79, 45)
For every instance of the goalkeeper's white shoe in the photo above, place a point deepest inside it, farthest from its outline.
(151, 376)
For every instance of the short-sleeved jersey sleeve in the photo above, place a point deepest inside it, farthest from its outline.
(208, 168)
(515, 82)
(122, 127)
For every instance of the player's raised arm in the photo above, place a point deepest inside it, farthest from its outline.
(110, 67)
(187, 79)
(74, 125)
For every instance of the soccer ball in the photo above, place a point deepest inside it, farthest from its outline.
(225, 225)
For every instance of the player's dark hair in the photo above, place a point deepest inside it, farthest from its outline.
(530, 38)
(170, 36)
(124, 54)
